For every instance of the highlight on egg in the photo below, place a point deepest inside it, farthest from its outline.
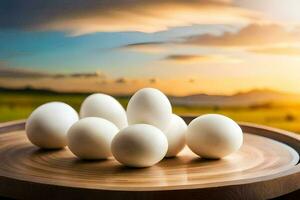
(48, 124)
(214, 136)
(90, 138)
(104, 106)
(149, 106)
(139, 145)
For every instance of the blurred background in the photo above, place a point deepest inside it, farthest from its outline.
(240, 58)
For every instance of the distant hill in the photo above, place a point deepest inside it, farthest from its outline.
(30, 90)
(250, 98)
(34, 90)
(27, 89)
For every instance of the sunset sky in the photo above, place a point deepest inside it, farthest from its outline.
(179, 46)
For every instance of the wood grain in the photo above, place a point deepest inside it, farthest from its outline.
(262, 168)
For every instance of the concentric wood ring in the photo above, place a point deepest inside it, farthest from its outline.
(23, 165)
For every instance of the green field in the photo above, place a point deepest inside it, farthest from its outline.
(19, 104)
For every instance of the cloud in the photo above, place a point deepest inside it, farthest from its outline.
(8, 72)
(286, 11)
(190, 59)
(98, 74)
(153, 80)
(191, 80)
(251, 35)
(285, 51)
(146, 47)
(89, 16)
(121, 80)
(11, 72)
(79, 75)
(178, 57)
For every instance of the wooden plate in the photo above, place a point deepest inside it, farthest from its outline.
(265, 167)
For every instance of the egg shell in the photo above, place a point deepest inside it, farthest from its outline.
(175, 134)
(104, 106)
(90, 138)
(214, 136)
(149, 106)
(139, 145)
(48, 124)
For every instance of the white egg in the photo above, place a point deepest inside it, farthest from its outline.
(214, 136)
(104, 106)
(149, 106)
(176, 135)
(90, 138)
(139, 145)
(47, 125)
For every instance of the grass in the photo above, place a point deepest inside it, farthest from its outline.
(284, 117)
(19, 104)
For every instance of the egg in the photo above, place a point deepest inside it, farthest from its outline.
(149, 106)
(175, 134)
(139, 145)
(48, 124)
(214, 136)
(90, 138)
(104, 106)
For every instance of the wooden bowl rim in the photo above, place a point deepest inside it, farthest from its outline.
(289, 138)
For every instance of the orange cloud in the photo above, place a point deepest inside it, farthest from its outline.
(153, 80)
(251, 35)
(146, 47)
(286, 51)
(121, 80)
(190, 59)
(83, 17)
